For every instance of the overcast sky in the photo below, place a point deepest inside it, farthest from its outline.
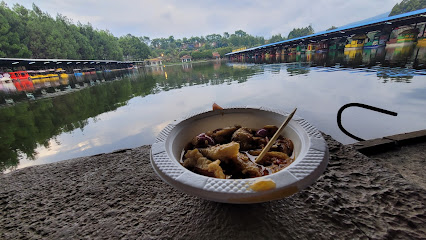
(186, 18)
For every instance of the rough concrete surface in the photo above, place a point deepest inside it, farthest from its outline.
(408, 160)
(118, 196)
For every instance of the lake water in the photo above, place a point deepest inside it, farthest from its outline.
(131, 111)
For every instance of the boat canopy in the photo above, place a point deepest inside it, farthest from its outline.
(410, 31)
(359, 36)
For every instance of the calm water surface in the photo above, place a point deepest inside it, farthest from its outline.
(131, 112)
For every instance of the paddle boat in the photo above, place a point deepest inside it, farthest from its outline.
(357, 42)
(53, 76)
(6, 84)
(311, 48)
(301, 48)
(21, 80)
(321, 47)
(405, 38)
(421, 42)
(63, 77)
(77, 72)
(379, 40)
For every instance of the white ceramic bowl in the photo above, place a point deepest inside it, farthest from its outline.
(310, 150)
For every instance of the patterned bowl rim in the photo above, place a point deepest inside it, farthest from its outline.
(304, 171)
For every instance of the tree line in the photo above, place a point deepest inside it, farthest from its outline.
(32, 33)
(203, 47)
(407, 6)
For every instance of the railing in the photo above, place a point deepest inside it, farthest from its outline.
(339, 116)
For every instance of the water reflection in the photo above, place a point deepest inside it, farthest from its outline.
(129, 112)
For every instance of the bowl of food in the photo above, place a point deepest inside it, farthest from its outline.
(212, 155)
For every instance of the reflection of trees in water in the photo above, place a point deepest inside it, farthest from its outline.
(203, 74)
(27, 125)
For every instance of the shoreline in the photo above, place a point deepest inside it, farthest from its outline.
(118, 195)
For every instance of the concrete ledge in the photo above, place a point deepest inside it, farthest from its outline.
(118, 196)
(380, 145)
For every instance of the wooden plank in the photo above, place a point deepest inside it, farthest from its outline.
(379, 145)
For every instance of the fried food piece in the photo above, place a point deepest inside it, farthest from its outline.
(279, 164)
(270, 157)
(284, 145)
(224, 152)
(255, 152)
(202, 140)
(244, 137)
(246, 167)
(200, 164)
(271, 130)
(224, 135)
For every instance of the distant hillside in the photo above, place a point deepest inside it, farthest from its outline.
(407, 6)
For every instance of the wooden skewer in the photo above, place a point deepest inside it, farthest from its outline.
(274, 138)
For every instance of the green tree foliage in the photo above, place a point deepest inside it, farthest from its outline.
(276, 38)
(201, 47)
(12, 40)
(183, 53)
(300, 32)
(206, 54)
(133, 48)
(407, 6)
(224, 50)
(331, 28)
(32, 33)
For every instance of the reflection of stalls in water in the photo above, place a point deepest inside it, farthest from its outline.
(298, 68)
(276, 68)
(353, 57)
(354, 53)
(400, 54)
(291, 58)
(420, 53)
(216, 65)
(186, 67)
(239, 66)
(156, 70)
(373, 55)
(395, 75)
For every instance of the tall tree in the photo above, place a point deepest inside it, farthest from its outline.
(276, 38)
(300, 32)
(133, 48)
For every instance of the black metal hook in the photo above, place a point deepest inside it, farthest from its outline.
(339, 116)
